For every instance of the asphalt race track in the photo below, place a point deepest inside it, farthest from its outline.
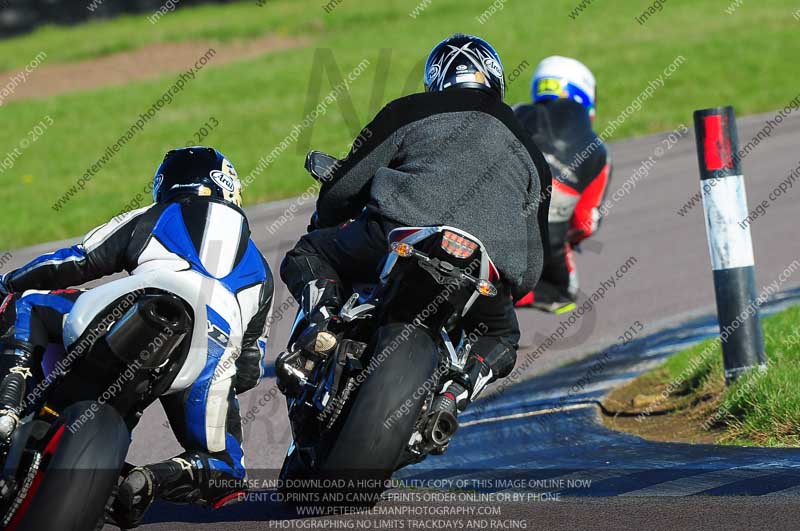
(658, 261)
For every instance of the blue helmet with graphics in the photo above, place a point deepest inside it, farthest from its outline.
(559, 77)
(198, 170)
(464, 61)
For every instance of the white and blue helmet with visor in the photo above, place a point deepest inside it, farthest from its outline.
(558, 77)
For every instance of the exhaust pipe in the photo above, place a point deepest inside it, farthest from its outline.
(161, 319)
(441, 427)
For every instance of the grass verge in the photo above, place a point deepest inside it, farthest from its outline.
(686, 399)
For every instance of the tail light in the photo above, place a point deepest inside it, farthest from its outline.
(457, 245)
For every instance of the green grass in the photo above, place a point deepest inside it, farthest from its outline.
(761, 407)
(740, 59)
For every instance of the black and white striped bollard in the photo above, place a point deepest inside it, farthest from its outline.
(730, 244)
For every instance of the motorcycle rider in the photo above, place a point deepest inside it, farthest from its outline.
(454, 155)
(196, 224)
(560, 123)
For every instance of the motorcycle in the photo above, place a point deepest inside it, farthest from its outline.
(62, 460)
(360, 392)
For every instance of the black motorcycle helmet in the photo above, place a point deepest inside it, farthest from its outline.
(197, 170)
(465, 61)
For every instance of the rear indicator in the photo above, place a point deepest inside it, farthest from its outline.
(457, 245)
(486, 288)
(403, 249)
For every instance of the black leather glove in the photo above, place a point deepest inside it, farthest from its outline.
(248, 369)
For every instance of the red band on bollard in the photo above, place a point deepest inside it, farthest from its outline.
(717, 146)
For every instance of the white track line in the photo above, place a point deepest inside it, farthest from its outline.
(528, 414)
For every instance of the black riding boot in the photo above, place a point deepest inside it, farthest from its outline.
(488, 360)
(183, 479)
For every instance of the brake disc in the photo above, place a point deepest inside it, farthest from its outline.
(24, 489)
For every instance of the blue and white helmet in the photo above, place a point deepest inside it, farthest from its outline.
(197, 170)
(562, 77)
(464, 61)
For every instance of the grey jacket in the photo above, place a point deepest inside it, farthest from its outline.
(456, 158)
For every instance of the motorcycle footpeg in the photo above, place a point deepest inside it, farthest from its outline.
(441, 427)
(290, 378)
